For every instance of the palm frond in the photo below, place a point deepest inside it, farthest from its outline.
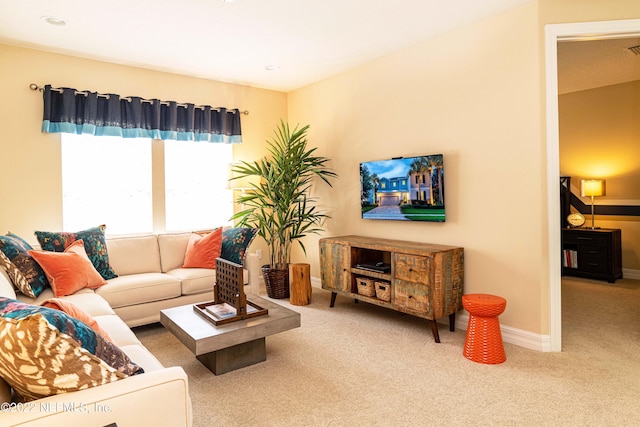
(279, 206)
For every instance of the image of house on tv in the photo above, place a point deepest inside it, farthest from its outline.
(409, 188)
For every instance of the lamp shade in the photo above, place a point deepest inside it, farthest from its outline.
(592, 187)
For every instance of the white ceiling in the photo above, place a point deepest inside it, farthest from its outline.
(308, 40)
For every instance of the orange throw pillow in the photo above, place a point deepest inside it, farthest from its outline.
(75, 312)
(203, 250)
(68, 271)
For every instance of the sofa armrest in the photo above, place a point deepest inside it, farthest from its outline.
(252, 265)
(157, 398)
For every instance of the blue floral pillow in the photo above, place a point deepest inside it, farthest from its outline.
(95, 245)
(235, 242)
(25, 273)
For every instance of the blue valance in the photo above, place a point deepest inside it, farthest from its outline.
(68, 110)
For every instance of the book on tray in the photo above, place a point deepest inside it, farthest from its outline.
(225, 310)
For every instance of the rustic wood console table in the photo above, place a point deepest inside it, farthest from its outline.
(425, 280)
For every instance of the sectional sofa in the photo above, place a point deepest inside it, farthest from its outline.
(150, 277)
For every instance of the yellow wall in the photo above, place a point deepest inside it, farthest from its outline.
(32, 190)
(476, 94)
(599, 138)
(569, 11)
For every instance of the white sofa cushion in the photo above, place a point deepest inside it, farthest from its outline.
(194, 280)
(134, 289)
(173, 247)
(142, 357)
(75, 298)
(91, 303)
(6, 287)
(134, 254)
(118, 331)
(80, 298)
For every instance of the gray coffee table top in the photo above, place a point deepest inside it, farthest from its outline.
(202, 337)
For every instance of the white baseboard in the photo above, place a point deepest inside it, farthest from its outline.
(628, 273)
(510, 335)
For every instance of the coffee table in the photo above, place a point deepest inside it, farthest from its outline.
(233, 345)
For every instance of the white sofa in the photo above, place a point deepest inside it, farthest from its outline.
(150, 278)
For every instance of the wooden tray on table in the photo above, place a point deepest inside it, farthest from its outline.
(230, 302)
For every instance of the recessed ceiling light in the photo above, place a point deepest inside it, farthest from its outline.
(54, 20)
(271, 67)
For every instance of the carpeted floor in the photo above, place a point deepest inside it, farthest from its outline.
(358, 364)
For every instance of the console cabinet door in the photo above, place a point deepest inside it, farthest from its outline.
(335, 271)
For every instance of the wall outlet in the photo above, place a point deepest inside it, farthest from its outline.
(259, 252)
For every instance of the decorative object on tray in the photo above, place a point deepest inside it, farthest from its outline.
(230, 303)
(280, 206)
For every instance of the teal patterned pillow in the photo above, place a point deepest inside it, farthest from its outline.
(45, 352)
(235, 242)
(25, 273)
(95, 245)
(91, 341)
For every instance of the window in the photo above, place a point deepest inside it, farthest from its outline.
(110, 180)
(196, 178)
(106, 180)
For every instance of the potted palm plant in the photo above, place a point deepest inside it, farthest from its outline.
(279, 206)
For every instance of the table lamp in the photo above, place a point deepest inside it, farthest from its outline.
(592, 188)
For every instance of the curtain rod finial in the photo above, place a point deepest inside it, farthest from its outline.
(33, 86)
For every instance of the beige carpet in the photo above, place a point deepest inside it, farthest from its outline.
(358, 364)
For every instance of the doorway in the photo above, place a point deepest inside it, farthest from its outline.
(553, 34)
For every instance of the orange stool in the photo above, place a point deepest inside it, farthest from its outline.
(483, 343)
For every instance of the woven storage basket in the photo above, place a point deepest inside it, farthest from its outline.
(383, 291)
(276, 281)
(366, 287)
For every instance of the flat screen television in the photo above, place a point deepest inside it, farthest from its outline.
(403, 188)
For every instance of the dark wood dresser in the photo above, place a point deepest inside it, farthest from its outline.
(592, 253)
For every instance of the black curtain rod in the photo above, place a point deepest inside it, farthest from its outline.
(34, 86)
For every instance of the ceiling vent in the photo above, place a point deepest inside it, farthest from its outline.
(634, 49)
